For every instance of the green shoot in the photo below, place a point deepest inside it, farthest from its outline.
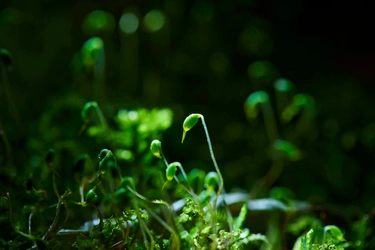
(261, 98)
(157, 151)
(299, 102)
(107, 161)
(188, 124)
(86, 117)
(93, 57)
(286, 149)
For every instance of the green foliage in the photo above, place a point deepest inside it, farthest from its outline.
(329, 237)
(59, 186)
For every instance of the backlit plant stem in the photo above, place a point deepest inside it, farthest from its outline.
(270, 122)
(213, 160)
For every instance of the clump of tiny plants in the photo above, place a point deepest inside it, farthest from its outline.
(131, 197)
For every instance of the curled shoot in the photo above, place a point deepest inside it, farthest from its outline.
(107, 161)
(211, 180)
(156, 149)
(170, 172)
(286, 149)
(85, 113)
(91, 196)
(334, 232)
(300, 102)
(188, 124)
(251, 106)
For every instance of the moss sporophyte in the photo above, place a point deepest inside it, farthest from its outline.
(157, 205)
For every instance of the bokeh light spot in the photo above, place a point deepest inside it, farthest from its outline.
(283, 85)
(128, 23)
(154, 20)
(97, 21)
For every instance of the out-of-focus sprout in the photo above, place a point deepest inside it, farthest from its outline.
(301, 103)
(107, 161)
(251, 107)
(286, 149)
(188, 124)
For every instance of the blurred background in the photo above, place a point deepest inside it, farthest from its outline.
(201, 57)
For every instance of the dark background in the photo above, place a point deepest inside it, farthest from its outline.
(198, 62)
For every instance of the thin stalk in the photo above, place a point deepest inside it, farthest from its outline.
(143, 226)
(269, 179)
(214, 161)
(229, 214)
(171, 230)
(30, 217)
(54, 184)
(270, 122)
(99, 215)
(99, 77)
(11, 216)
(65, 220)
(274, 172)
(54, 223)
(166, 226)
(81, 190)
(101, 117)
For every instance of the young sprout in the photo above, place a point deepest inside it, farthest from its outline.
(188, 124)
(283, 90)
(282, 150)
(127, 182)
(261, 98)
(253, 101)
(93, 57)
(211, 180)
(107, 160)
(300, 101)
(238, 222)
(91, 51)
(156, 149)
(308, 238)
(171, 170)
(85, 113)
(91, 196)
(287, 150)
(334, 232)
